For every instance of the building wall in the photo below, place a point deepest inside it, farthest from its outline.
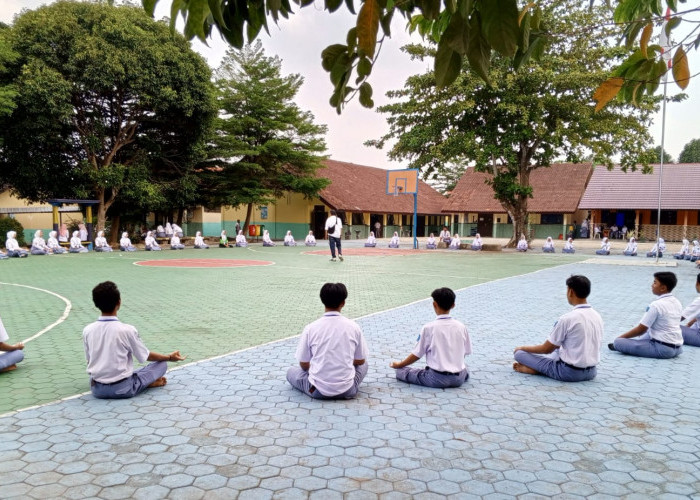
(32, 221)
(208, 223)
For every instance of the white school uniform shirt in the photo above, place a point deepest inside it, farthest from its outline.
(605, 245)
(75, 241)
(336, 224)
(266, 237)
(522, 245)
(444, 234)
(150, 240)
(696, 248)
(310, 238)
(53, 242)
(125, 241)
(39, 242)
(548, 243)
(477, 242)
(199, 240)
(4, 337)
(431, 240)
(110, 346)
(395, 239)
(444, 343)
(331, 344)
(240, 237)
(455, 242)
(569, 245)
(578, 334)
(101, 241)
(663, 319)
(371, 238)
(289, 238)
(692, 311)
(11, 243)
(174, 240)
(631, 246)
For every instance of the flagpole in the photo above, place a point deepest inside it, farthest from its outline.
(661, 168)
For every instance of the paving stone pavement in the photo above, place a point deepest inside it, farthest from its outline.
(231, 427)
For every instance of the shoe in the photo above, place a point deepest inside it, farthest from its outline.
(340, 257)
(612, 347)
(333, 259)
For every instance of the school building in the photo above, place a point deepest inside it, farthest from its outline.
(554, 207)
(358, 193)
(631, 199)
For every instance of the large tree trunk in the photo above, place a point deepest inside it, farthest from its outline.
(248, 214)
(518, 210)
(114, 231)
(101, 210)
(180, 214)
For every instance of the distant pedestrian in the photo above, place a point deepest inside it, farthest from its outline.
(334, 227)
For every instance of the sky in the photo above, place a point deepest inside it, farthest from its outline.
(298, 42)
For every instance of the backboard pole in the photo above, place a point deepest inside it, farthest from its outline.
(415, 220)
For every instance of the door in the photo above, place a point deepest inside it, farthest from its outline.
(318, 221)
(484, 225)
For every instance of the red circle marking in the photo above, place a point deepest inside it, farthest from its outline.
(371, 252)
(203, 263)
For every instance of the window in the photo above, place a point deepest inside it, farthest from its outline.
(390, 220)
(668, 217)
(551, 218)
(357, 219)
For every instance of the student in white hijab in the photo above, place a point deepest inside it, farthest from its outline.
(431, 244)
(82, 232)
(160, 231)
(223, 240)
(604, 247)
(168, 230)
(661, 246)
(695, 253)
(476, 242)
(101, 244)
(241, 242)
(175, 243)
(631, 248)
(151, 243)
(548, 246)
(13, 248)
(289, 240)
(569, 246)
(177, 230)
(125, 243)
(522, 244)
(267, 242)
(371, 240)
(310, 240)
(199, 241)
(39, 246)
(76, 244)
(53, 243)
(455, 242)
(683, 251)
(394, 242)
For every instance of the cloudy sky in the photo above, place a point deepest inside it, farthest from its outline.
(299, 41)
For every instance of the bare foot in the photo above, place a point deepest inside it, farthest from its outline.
(524, 369)
(159, 383)
(8, 369)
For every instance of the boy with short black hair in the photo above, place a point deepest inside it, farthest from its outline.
(332, 352)
(572, 350)
(109, 348)
(659, 329)
(444, 342)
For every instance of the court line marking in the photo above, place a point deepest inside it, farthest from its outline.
(60, 320)
(194, 363)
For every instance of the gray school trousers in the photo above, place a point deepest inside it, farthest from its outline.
(431, 378)
(554, 367)
(300, 380)
(691, 336)
(646, 348)
(130, 386)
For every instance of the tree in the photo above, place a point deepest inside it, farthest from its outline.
(657, 154)
(8, 57)
(691, 152)
(263, 144)
(523, 121)
(110, 105)
(467, 31)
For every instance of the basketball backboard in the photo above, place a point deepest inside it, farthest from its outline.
(402, 181)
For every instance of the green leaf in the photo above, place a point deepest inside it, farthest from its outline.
(457, 35)
(364, 67)
(150, 6)
(330, 55)
(174, 11)
(499, 23)
(673, 23)
(479, 53)
(525, 31)
(333, 5)
(351, 6)
(465, 8)
(198, 10)
(451, 6)
(367, 28)
(352, 39)
(215, 8)
(448, 63)
(385, 22)
(366, 95)
(429, 8)
(339, 71)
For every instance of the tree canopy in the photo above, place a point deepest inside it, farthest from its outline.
(467, 31)
(691, 152)
(657, 154)
(262, 144)
(109, 104)
(522, 121)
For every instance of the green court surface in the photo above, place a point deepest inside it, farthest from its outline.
(206, 312)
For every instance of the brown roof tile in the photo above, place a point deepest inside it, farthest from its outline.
(556, 189)
(358, 188)
(615, 189)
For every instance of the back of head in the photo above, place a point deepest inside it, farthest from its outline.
(667, 278)
(333, 212)
(106, 296)
(333, 295)
(444, 298)
(580, 285)
(697, 280)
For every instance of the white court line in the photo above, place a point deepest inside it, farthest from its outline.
(60, 320)
(187, 365)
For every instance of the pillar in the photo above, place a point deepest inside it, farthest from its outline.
(88, 216)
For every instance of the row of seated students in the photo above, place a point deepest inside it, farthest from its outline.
(332, 352)
(452, 242)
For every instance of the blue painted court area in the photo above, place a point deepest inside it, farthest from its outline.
(231, 427)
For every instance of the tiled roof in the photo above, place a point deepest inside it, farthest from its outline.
(358, 188)
(556, 189)
(615, 189)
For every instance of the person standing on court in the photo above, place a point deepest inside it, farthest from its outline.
(332, 351)
(334, 228)
(572, 350)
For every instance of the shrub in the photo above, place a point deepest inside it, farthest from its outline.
(9, 224)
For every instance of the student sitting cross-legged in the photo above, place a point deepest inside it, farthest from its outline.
(444, 343)
(11, 353)
(659, 331)
(332, 352)
(691, 330)
(572, 350)
(110, 346)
